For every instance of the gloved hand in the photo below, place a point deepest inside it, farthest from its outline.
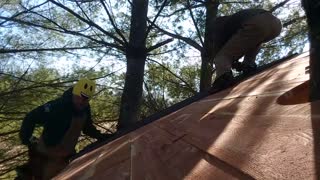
(33, 141)
(104, 137)
(32, 146)
(244, 68)
(237, 66)
(248, 69)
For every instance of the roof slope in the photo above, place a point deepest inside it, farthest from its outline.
(262, 128)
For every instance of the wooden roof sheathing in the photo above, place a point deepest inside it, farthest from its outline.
(262, 128)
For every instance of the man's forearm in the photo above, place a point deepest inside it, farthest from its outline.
(26, 130)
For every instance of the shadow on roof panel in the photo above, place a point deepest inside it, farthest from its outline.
(261, 128)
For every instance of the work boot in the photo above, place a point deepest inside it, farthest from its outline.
(237, 66)
(222, 82)
(248, 69)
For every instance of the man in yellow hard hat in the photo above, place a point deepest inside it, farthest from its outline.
(62, 119)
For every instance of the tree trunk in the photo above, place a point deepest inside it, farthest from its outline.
(312, 9)
(136, 57)
(208, 52)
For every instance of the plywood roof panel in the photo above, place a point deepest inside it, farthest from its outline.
(262, 128)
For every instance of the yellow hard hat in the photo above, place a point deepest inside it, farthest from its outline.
(85, 88)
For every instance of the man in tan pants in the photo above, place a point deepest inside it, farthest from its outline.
(238, 35)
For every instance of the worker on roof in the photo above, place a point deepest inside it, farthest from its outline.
(238, 35)
(62, 119)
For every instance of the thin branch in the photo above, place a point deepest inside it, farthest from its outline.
(195, 23)
(23, 12)
(184, 39)
(27, 80)
(177, 83)
(29, 23)
(163, 52)
(3, 172)
(155, 18)
(98, 61)
(109, 74)
(130, 2)
(152, 100)
(51, 84)
(235, 2)
(88, 22)
(279, 5)
(13, 157)
(108, 130)
(186, 83)
(200, 1)
(16, 85)
(168, 51)
(3, 51)
(56, 24)
(159, 44)
(8, 133)
(78, 4)
(65, 31)
(2, 119)
(183, 9)
(291, 21)
(113, 23)
(13, 113)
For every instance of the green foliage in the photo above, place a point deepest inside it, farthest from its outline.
(166, 85)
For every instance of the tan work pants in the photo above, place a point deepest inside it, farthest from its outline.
(246, 42)
(44, 167)
(52, 167)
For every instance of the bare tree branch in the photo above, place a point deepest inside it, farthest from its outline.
(3, 51)
(279, 5)
(155, 18)
(108, 130)
(12, 113)
(64, 31)
(184, 39)
(23, 12)
(292, 21)
(27, 80)
(8, 133)
(178, 84)
(50, 84)
(15, 86)
(152, 100)
(13, 157)
(78, 4)
(113, 23)
(159, 45)
(168, 51)
(3, 172)
(88, 22)
(235, 2)
(195, 23)
(183, 9)
(2, 119)
(186, 83)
